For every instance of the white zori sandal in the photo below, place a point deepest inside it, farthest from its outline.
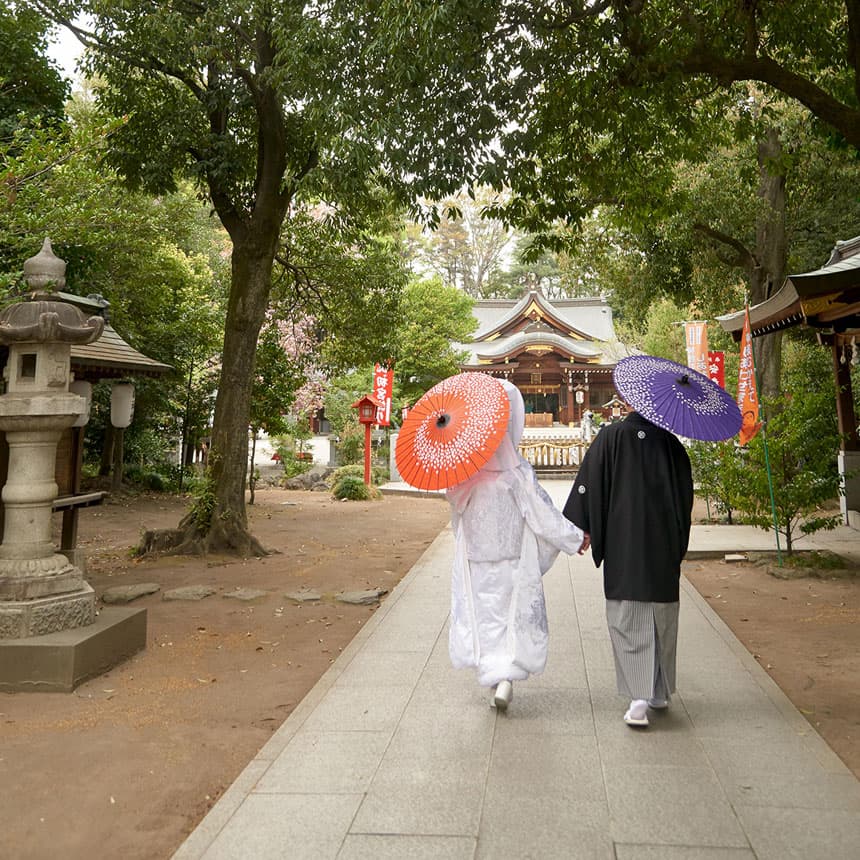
(503, 694)
(637, 713)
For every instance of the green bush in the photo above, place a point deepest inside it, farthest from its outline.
(350, 445)
(719, 471)
(292, 464)
(161, 477)
(352, 470)
(155, 481)
(802, 447)
(146, 478)
(353, 488)
(378, 475)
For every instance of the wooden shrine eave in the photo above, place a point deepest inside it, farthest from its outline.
(589, 369)
(111, 356)
(826, 298)
(537, 343)
(504, 367)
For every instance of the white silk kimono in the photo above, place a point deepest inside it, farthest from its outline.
(507, 535)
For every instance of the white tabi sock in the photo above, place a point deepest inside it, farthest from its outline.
(638, 709)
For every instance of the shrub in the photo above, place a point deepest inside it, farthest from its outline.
(378, 475)
(802, 442)
(350, 445)
(719, 472)
(162, 477)
(146, 478)
(352, 470)
(293, 464)
(353, 488)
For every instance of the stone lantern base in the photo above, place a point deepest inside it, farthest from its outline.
(41, 615)
(59, 662)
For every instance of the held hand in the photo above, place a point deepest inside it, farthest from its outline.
(586, 543)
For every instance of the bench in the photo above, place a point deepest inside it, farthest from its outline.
(69, 506)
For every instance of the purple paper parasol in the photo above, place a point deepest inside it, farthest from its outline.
(677, 398)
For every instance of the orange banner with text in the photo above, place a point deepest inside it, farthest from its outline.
(747, 390)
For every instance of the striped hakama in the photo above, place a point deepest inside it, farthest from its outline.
(644, 642)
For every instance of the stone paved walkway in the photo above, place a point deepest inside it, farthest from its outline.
(394, 754)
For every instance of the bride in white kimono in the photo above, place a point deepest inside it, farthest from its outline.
(507, 535)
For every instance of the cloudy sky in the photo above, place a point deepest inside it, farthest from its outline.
(64, 49)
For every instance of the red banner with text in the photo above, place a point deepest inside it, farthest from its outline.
(383, 383)
(717, 368)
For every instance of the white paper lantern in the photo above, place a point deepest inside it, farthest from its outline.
(83, 389)
(121, 404)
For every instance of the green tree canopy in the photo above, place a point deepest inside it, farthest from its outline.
(30, 84)
(239, 98)
(433, 319)
(157, 261)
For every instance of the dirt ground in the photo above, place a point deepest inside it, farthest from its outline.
(130, 762)
(804, 632)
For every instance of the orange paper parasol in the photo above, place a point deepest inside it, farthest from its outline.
(452, 431)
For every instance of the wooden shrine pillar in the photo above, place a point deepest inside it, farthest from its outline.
(849, 450)
(845, 417)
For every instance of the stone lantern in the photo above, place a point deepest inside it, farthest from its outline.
(41, 592)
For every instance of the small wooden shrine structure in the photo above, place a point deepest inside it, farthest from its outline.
(827, 300)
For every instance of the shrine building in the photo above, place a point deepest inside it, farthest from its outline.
(560, 353)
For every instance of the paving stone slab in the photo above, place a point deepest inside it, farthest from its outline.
(801, 834)
(549, 825)
(680, 852)
(275, 826)
(366, 597)
(671, 806)
(372, 846)
(369, 709)
(126, 593)
(415, 803)
(246, 594)
(326, 763)
(189, 592)
(304, 596)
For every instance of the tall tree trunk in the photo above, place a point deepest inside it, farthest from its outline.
(221, 524)
(228, 457)
(771, 254)
(118, 459)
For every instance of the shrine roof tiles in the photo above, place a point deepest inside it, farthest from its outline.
(110, 355)
(591, 316)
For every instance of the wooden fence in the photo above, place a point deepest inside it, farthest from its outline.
(553, 453)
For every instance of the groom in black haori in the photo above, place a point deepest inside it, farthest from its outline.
(633, 496)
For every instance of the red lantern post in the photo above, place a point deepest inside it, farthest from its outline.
(367, 407)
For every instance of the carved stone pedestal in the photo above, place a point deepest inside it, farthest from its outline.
(41, 615)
